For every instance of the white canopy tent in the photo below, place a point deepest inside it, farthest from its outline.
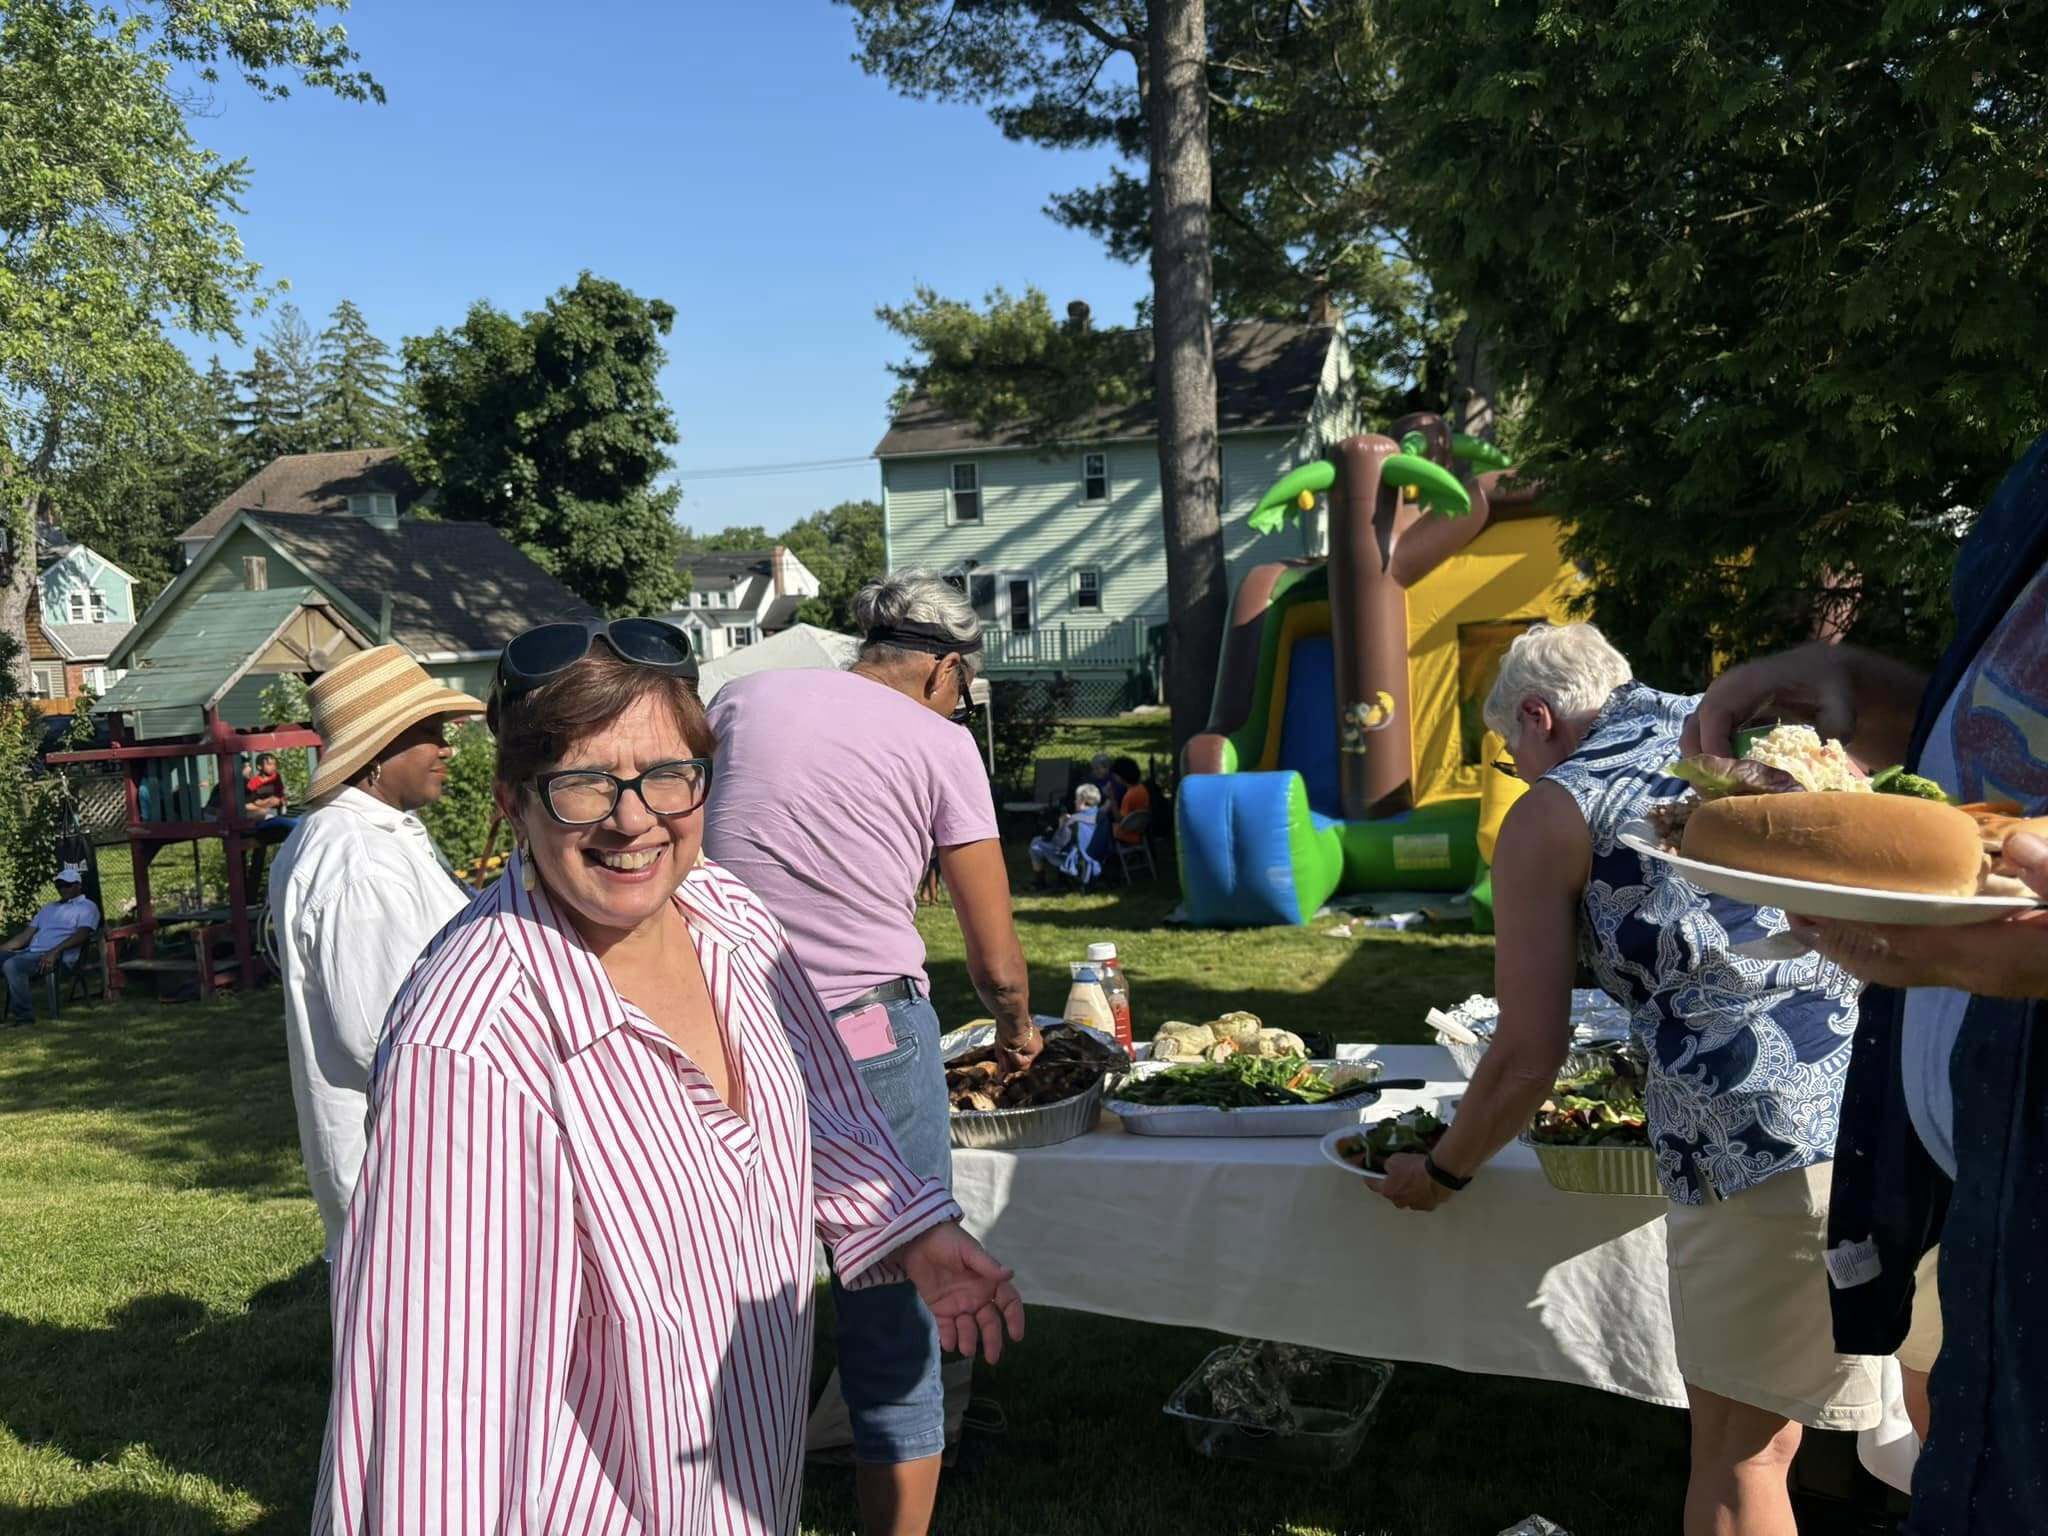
(805, 645)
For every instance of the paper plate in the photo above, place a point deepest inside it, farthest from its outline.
(1812, 898)
(1328, 1147)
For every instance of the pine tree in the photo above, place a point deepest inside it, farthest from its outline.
(262, 428)
(291, 343)
(355, 399)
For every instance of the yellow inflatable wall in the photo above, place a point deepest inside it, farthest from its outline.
(1461, 619)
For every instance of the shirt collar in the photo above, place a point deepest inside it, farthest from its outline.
(568, 979)
(357, 803)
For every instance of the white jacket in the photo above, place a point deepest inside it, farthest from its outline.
(356, 893)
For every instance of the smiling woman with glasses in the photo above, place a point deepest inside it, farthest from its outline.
(610, 1120)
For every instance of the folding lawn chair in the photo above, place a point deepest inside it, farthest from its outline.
(1130, 855)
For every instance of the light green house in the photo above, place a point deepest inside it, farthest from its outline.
(292, 592)
(1064, 554)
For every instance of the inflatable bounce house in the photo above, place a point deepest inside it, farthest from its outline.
(1345, 751)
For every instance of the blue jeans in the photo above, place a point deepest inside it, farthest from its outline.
(21, 969)
(888, 1344)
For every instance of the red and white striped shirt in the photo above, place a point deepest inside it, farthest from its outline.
(575, 1290)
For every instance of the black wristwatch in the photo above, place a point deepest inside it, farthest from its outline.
(1449, 1181)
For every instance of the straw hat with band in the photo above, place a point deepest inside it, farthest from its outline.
(363, 704)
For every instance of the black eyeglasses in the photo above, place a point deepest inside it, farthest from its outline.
(582, 797)
(551, 649)
(1505, 765)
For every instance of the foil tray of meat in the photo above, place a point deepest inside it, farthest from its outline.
(1055, 1099)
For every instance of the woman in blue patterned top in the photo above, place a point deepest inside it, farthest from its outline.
(1747, 1059)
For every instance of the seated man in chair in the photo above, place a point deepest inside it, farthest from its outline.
(57, 932)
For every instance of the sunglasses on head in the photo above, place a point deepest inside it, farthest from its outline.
(546, 652)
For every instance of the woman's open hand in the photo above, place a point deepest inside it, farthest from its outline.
(970, 1295)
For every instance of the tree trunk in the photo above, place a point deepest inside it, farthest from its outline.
(20, 583)
(1184, 357)
(1477, 410)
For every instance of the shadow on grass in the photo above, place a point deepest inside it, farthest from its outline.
(198, 1089)
(132, 1514)
(237, 1398)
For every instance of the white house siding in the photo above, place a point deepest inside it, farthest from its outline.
(1035, 521)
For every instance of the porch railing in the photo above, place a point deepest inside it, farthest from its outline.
(1120, 643)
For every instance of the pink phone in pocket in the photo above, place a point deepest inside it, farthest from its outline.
(867, 1033)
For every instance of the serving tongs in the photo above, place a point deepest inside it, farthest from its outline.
(1385, 1085)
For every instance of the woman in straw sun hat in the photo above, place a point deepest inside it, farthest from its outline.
(357, 892)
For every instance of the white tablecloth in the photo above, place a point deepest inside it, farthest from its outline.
(1263, 1239)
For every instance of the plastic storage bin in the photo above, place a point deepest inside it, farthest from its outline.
(1331, 1400)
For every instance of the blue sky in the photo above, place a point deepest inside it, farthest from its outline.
(730, 158)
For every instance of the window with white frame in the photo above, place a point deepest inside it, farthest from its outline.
(77, 606)
(47, 678)
(725, 598)
(96, 680)
(99, 606)
(1095, 477)
(740, 634)
(966, 493)
(1088, 589)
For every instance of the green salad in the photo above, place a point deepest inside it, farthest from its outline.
(1417, 1130)
(1242, 1082)
(1601, 1108)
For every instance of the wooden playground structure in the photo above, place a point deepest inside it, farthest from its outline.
(185, 790)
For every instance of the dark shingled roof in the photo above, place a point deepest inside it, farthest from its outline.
(1267, 373)
(453, 586)
(782, 612)
(305, 483)
(724, 570)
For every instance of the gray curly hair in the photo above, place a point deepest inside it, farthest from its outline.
(918, 597)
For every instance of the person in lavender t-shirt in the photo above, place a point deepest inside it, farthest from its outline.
(831, 792)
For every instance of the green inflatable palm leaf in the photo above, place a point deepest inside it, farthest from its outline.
(1277, 507)
(1479, 453)
(1434, 486)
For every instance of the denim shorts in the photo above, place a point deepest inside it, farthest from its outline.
(888, 1343)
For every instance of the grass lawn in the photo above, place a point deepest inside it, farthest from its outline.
(163, 1324)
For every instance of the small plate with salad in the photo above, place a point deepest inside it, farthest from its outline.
(1364, 1149)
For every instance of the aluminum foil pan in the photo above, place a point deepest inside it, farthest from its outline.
(1042, 1125)
(1597, 1170)
(1014, 1130)
(1257, 1120)
(1599, 1027)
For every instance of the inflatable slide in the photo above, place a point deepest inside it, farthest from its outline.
(1345, 750)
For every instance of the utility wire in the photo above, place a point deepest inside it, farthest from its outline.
(756, 471)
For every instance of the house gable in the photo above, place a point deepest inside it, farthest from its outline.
(70, 584)
(1076, 535)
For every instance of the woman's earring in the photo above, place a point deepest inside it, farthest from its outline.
(528, 880)
(376, 775)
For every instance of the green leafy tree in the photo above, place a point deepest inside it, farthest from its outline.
(135, 476)
(113, 220)
(843, 549)
(553, 429)
(727, 541)
(355, 395)
(1048, 70)
(1010, 365)
(1772, 283)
